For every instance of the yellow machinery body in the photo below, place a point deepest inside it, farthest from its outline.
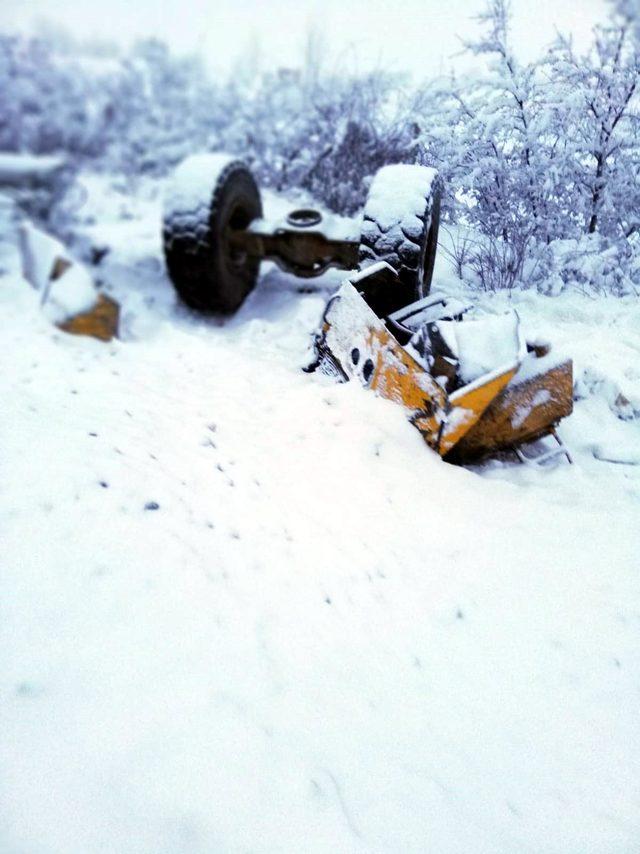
(99, 322)
(514, 403)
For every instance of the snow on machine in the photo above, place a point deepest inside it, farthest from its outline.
(34, 185)
(67, 293)
(470, 384)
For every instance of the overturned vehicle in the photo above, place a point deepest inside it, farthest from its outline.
(469, 383)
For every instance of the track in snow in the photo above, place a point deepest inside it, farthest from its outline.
(322, 638)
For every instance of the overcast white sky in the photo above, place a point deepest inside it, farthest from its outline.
(415, 35)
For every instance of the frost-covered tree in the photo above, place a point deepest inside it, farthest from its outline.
(602, 90)
(540, 152)
(541, 160)
(318, 131)
(484, 134)
(46, 100)
(159, 109)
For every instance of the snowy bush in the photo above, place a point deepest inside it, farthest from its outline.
(543, 152)
(326, 134)
(531, 154)
(47, 103)
(593, 265)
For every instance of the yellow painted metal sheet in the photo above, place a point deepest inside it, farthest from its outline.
(368, 353)
(500, 410)
(100, 322)
(469, 405)
(529, 407)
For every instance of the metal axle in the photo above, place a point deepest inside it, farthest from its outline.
(298, 245)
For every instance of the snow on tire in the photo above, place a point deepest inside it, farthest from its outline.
(209, 194)
(400, 225)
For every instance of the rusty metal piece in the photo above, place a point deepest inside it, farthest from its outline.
(60, 266)
(300, 250)
(304, 217)
(100, 322)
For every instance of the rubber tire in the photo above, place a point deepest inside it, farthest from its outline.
(413, 255)
(200, 266)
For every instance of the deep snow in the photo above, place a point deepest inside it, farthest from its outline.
(244, 609)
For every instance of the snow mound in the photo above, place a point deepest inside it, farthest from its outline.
(74, 292)
(621, 395)
(66, 287)
(615, 452)
(246, 609)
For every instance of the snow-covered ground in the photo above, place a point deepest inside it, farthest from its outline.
(243, 609)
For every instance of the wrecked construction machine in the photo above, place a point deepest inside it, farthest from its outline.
(469, 383)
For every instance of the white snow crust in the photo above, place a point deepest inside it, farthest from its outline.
(72, 292)
(40, 251)
(398, 190)
(483, 345)
(15, 169)
(246, 609)
(192, 183)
